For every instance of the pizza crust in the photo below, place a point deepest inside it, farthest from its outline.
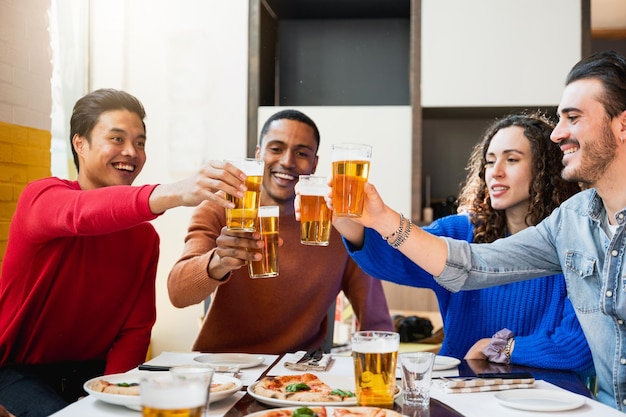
(217, 387)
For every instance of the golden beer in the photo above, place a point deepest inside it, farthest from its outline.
(315, 220)
(166, 396)
(244, 215)
(267, 224)
(179, 412)
(349, 178)
(375, 355)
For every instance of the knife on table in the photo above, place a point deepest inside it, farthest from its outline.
(218, 369)
(145, 367)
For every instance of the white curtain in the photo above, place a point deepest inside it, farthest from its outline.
(69, 35)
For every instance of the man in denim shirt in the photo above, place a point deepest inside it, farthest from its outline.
(584, 238)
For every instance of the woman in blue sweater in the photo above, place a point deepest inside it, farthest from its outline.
(513, 182)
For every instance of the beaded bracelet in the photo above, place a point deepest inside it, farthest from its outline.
(398, 230)
(403, 236)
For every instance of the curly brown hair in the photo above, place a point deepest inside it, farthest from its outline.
(547, 189)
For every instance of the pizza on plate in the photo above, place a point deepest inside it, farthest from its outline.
(303, 387)
(336, 412)
(132, 388)
(119, 388)
(299, 412)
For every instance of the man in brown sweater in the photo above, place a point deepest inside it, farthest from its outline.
(272, 315)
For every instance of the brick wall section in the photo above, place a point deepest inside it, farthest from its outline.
(25, 63)
(24, 156)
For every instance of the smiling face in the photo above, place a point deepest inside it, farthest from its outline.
(584, 132)
(508, 171)
(115, 154)
(289, 149)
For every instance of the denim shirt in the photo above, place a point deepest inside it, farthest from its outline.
(571, 240)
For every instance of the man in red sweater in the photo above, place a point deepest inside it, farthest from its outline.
(77, 293)
(272, 315)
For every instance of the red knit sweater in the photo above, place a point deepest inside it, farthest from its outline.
(78, 276)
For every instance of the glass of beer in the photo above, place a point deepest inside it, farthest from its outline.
(202, 372)
(243, 216)
(351, 165)
(167, 396)
(375, 355)
(315, 216)
(267, 225)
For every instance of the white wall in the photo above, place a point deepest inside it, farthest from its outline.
(187, 62)
(25, 67)
(498, 52)
(386, 128)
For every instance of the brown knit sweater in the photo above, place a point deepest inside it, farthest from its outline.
(272, 315)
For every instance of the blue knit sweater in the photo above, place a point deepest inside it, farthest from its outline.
(537, 311)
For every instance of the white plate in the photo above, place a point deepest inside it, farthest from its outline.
(330, 410)
(242, 360)
(445, 362)
(343, 383)
(224, 379)
(130, 401)
(133, 402)
(536, 399)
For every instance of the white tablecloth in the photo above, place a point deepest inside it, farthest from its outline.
(483, 404)
(92, 407)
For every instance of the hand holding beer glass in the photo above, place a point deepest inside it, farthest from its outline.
(267, 225)
(375, 355)
(315, 216)
(243, 216)
(351, 165)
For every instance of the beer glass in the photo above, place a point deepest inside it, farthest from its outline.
(167, 396)
(351, 165)
(243, 216)
(267, 225)
(315, 216)
(375, 355)
(204, 373)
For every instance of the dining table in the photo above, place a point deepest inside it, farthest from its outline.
(442, 403)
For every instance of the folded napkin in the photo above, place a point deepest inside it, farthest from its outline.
(291, 362)
(462, 385)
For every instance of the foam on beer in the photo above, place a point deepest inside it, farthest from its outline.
(379, 345)
(178, 396)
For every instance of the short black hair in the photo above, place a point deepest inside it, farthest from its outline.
(88, 109)
(609, 67)
(290, 114)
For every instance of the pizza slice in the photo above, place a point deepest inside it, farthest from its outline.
(298, 412)
(302, 388)
(365, 412)
(119, 388)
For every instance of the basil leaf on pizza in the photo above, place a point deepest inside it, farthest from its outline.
(300, 386)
